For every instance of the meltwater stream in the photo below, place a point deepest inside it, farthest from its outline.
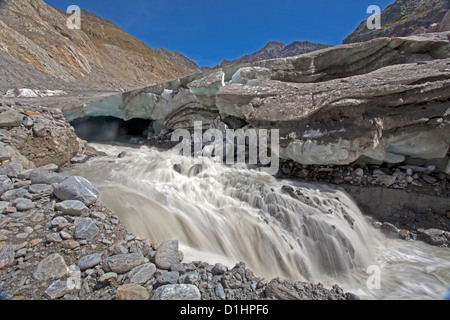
(298, 231)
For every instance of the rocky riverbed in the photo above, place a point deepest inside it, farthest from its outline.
(57, 241)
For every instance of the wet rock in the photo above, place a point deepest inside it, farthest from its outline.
(389, 229)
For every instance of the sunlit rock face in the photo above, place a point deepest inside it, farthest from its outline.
(385, 99)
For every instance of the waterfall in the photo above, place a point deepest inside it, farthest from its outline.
(295, 230)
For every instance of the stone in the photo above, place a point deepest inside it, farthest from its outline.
(389, 229)
(123, 263)
(141, 274)
(168, 278)
(7, 254)
(40, 188)
(86, 229)
(10, 118)
(58, 289)
(58, 221)
(40, 177)
(404, 234)
(132, 291)
(14, 194)
(110, 276)
(220, 292)
(177, 292)
(3, 206)
(77, 188)
(52, 267)
(386, 180)
(89, 261)
(25, 205)
(428, 179)
(53, 237)
(72, 208)
(80, 159)
(167, 255)
(70, 244)
(434, 236)
(220, 268)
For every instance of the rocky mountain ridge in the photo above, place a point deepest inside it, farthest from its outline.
(405, 18)
(275, 50)
(35, 40)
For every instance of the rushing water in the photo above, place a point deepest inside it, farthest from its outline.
(299, 231)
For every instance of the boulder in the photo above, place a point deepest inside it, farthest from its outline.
(167, 255)
(77, 188)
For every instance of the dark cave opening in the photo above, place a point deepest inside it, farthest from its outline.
(102, 129)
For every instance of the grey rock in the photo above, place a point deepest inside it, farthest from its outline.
(14, 194)
(53, 237)
(5, 184)
(125, 262)
(72, 208)
(28, 122)
(57, 290)
(220, 268)
(10, 118)
(167, 255)
(389, 229)
(80, 159)
(40, 188)
(77, 188)
(141, 274)
(9, 170)
(168, 278)
(25, 205)
(177, 292)
(86, 229)
(220, 292)
(3, 206)
(7, 254)
(52, 267)
(89, 261)
(57, 221)
(41, 177)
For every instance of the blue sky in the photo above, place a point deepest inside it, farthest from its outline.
(208, 31)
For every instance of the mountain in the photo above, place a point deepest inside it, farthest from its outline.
(179, 59)
(40, 51)
(405, 18)
(275, 50)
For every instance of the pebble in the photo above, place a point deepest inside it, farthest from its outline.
(86, 229)
(177, 292)
(125, 262)
(72, 208)
(89, 261)
(132, 291)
